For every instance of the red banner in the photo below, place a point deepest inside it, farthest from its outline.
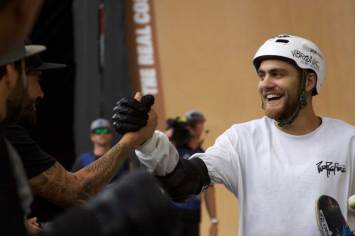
(143, 53)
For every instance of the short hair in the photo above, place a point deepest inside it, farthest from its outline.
(181, 135)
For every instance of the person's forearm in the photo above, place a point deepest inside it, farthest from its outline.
(210, 201)
(72, 189)
(189, 177)
(95, 176)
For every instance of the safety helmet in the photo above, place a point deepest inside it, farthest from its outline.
(303, 52)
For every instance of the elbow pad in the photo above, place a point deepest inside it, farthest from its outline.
(188, 178)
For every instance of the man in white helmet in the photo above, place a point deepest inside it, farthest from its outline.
(277, 166)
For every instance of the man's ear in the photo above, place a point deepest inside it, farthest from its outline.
(311, 82)
(92, 137)
(11, 76)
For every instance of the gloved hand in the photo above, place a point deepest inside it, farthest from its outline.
(130, 115)
(135, 206)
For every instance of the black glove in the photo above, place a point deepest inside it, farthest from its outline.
(148, 101)
(129, 115)
(135, 206)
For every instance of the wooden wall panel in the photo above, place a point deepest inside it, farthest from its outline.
(206, 48)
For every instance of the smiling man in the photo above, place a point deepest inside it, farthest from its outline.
(277, 166)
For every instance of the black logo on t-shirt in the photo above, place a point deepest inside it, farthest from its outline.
(330, 167)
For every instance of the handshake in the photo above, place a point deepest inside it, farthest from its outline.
(132, 114)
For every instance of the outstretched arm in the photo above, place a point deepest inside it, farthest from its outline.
(69, 189)
(219, 164)
(180, 178)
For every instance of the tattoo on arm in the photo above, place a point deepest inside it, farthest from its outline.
(101, 171)
(57, 185)
(69, 189)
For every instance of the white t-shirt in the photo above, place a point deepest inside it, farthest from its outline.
(278, 177)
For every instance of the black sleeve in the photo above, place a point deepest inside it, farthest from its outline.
(35, 160)
(189, 177)
(12, 215)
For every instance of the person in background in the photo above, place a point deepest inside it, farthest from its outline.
(101, 137)
(185, 133)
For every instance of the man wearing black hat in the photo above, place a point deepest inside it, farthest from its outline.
(34, 159)
(55, 188)
(112, 213)
(15, 195)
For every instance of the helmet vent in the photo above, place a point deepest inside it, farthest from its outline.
(282, 41)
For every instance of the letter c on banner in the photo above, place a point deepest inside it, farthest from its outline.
(141, 13)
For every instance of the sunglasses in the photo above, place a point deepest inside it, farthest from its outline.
(101, 131)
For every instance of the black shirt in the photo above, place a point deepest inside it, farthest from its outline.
(12, 213)
(35, 161)
(12, 217)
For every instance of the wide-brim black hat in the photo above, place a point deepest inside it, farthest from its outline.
(35, 62)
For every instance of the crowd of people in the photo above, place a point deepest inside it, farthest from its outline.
(267, 163)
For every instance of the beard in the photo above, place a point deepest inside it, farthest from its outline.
(21, 109)
(285, 112)
(28, 115)
(15, 104)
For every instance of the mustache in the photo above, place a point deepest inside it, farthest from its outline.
(266, 91)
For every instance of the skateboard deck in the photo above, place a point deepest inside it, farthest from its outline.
(330, 219)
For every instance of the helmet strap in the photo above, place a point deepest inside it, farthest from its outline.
(302, 101)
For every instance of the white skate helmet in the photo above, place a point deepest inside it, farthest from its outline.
(299, 50)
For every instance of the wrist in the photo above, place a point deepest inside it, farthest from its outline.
(149, 145)
(130, 140)
(214, 220)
